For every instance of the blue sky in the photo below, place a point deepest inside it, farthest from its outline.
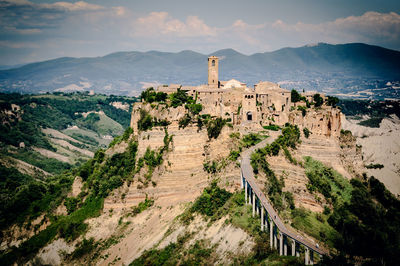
(36, 30)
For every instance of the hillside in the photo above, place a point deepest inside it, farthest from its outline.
(169, 192)
(49, 133)
(341, 69)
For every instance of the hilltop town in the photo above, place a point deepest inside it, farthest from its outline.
(220, 173)
(264, 104)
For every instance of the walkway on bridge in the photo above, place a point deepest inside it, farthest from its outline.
(269, 217)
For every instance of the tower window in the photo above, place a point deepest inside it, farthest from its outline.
(213, 62)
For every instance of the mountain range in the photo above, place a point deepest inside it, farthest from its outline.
(322, 67)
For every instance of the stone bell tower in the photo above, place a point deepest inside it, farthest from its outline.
(213, 72)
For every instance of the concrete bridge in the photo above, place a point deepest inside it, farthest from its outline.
(281, 238)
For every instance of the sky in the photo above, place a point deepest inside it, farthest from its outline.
(37, 30)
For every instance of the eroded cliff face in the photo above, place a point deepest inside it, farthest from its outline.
(325, 121)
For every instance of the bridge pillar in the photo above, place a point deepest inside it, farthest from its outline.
(280, 244)
(254, 203)
(262, 218)
(241, 180)
(285, 247)
(306, 256)
(293, 247)
(245, 191)
(276, 241)
(271, 233)
(250, 192)
(311, 260)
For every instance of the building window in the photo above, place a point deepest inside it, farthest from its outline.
(213, 63)
(249, 116)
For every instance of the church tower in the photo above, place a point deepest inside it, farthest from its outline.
(213, 72)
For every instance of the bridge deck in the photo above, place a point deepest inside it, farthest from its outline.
(247, 172)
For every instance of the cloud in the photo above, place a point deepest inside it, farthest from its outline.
(161, 23)
(80, 28)
(77, 6)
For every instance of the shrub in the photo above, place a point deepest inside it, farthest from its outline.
(184, 121)
(179, 98)
(306, 132)
(145, 121)
(194, 108)
(374, 166)
(142, 206)
(295, 96)
(318, 100)
(234, 155)
(332, 101)
(214, 127)
(212, 198)
(272, 127)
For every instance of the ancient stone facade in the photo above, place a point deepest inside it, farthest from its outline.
(266, 103)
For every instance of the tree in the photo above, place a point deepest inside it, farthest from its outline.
(332, 101)
(318, 101)
(295, 96)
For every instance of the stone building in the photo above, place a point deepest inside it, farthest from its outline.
(266, 103)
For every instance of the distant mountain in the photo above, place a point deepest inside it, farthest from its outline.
(313, 67)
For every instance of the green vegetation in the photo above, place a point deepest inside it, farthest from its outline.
(289, 156)
(212, 198)
(147, 122)
(209, 202)
(372, 122)
(272, 127)
(149, 95)
(369, 225)
(335, 188)
(214, 127)
(376, 110)
(184, 121)
(128, 132)
(318, 100)
(251, 139)
(68, 227)
(315, 225)
(142, 206)
(374, 166)
(50, 165)
(306, 132)
(194, 108)
(25, 198)
(332, 101)
(295, 96)
(179, 98)
(303, 110)
(198, 253)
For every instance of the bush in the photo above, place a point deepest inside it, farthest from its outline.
(145, 121)
(149, 95)
(234, 155)
(295, 96)
(142, 206)
(179, 98)
(214, 127)
(332, 101)
(272, 127)
(318, 100)
(306, 132)
(184, 121)
(194, 108)
(212, 198)
(374, 166)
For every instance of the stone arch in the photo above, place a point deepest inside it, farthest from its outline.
(213, 62)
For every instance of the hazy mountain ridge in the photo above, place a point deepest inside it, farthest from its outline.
(316, 67)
